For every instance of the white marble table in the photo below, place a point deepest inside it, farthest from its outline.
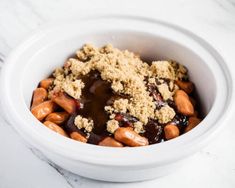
(214, 166)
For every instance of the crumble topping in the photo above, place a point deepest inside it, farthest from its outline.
(138, 127)
(162, 69)
(77, 67)
(165, 114)
(164, 91)
(68, 83)
(85, 123)
(109, 109)
(127, 74)
(112, 126)
(180, 71)
(120, 105)
(73, 88)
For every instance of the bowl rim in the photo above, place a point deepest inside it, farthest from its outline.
(111, 156)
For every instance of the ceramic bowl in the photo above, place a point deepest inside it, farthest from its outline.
(49, 47)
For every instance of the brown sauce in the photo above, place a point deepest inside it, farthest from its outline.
(94, 98)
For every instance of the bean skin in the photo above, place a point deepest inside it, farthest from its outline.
(129, 137)
(171, 131)
(46, 83)
(183, 104)
(186, 86)
(192, 122)
(39, 96)
(42, 110)
(77, 136)
(57, 117)
(55, 128)
(110, 142)
(64, 101)
(193, 101)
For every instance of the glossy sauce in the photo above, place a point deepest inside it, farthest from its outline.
(94, 98)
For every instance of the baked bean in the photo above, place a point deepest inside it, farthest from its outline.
(183, 104)
(64, 101)
(39, 95)
(46, 83)
(116, 108)
(193, 101)
(42, 110)
(195, 114)
(77, 136)
(186, 86)
(57, 117)
(129, 137)
(55, 128)
(192, 122)
(110, 142)
(171, 131)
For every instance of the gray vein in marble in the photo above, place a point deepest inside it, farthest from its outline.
(7, 47)
(232, 2)
(6, 123)
(40, 156)
(2, 57)
(226, 5)
(72, 180)
(61, 173)
(222, 5)
(225, 23)
(33, 9)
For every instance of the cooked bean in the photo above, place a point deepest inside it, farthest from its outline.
(186, 86)
(77, 136)
(193, 101)
(39, 95)
(83, 101)
(195, 114)
(46, 83)
(110, 142)
(192, 122)
(129, 137)
(171, 131)
(183, 104)
(57, 117)
(55, 128)
(42, 110)
(66, 102)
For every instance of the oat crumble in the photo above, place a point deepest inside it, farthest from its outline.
(84, 123)
(138, 127)
(164, 91)
(112, 126)
(126, 73)
(165, 114)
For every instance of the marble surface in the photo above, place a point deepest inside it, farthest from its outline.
(23, 166)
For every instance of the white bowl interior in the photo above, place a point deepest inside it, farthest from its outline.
(150, 47)
(49, 48)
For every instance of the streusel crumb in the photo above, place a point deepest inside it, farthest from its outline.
(165, 114)
(112, 126)
(85, 123)
(127, 74)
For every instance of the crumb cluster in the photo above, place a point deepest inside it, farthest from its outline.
(84, 123)
(129, 76)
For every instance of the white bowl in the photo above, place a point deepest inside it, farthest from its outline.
(47, 49)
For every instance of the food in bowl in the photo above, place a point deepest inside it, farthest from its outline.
(108, 97)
